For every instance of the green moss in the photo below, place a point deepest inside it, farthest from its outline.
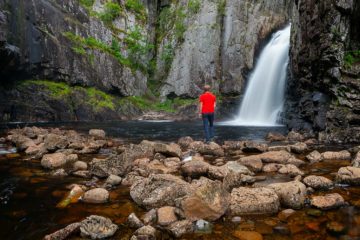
(56, 89)
(167, 56)
(137, 7)
(194, 6)
(99, 99)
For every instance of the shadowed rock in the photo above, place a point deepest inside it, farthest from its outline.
(291, 194)
(350, 175)
(97, 227)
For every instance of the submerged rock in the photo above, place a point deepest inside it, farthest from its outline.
(208, 200)
(202, 226)
(53, 160)
(253, 201)
(64, 233)
(285, 214)
(314, 157)
(96, 195)
(166, 216)
(134, 222)
(247, 235)
(97, 133)
(318, 182)
(350, 175)
(291, 194)
(179, 228)
(328, 201)
(97, 227)
(159, 190)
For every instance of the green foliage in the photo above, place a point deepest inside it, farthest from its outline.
(180, 27)
(111, 12)
(138, 47)
(168, 56)
(194, 6)
(79, 50)
(135, 6)
(222, 7)
(87, 3)
(351, 57)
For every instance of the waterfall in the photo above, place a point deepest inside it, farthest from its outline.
(264, 96)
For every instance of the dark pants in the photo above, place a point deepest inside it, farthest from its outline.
(208, 122)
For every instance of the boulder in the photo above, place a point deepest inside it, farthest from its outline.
(121, 164)
(134, 222)
(296, 162)
(97, 133)
(279, 148)
(342, 155)
(64, 233)
(328, 201)
(253, 201)
(53, 160)
(22, 142)
(59, 173)
(291, 194)
(195, 168)
(72, 158)
(275, 137)
(180, 228)
(254, 147)
(36, 149)
(299, 147)
(171, 150)
(146, 232)
(97, 227)
(208, 200)
(185, 142)
(280, 157)
(54, 142)
(349, 175)
(159, 190)
(113, 180)
(254, 163)
(80, 165)
(173, 164)
(150, 217)
(166, 215)
(318, 182)
(207, 149)
(291, 170)
(96, 195)
(314, 157)
(234, 180)
(233, 145)
(232, 166)
(295, 137)
(356, 160)
(272, 167)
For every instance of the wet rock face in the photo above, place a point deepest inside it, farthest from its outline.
(325, 97)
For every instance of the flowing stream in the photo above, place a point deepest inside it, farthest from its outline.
(264, 97)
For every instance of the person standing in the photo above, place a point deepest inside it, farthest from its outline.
(207, 105)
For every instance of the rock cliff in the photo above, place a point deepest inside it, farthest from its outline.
(323, 93)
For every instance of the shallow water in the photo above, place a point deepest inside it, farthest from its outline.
(29, 196)
(153, 130)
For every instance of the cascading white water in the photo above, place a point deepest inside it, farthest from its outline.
(264, 96)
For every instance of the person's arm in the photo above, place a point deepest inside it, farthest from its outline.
(200, 108)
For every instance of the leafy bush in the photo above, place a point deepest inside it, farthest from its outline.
(194, 6)
(111, 12)
(222, 7)
(87, 3)
(135, 6)
(351, 57)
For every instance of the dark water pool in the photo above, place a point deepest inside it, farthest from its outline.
(166, 131)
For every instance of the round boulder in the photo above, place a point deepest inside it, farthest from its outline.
(96, 195)
(97, 227)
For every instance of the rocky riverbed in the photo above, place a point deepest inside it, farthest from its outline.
(287, 187)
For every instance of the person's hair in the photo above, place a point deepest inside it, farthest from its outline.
(206, 88)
